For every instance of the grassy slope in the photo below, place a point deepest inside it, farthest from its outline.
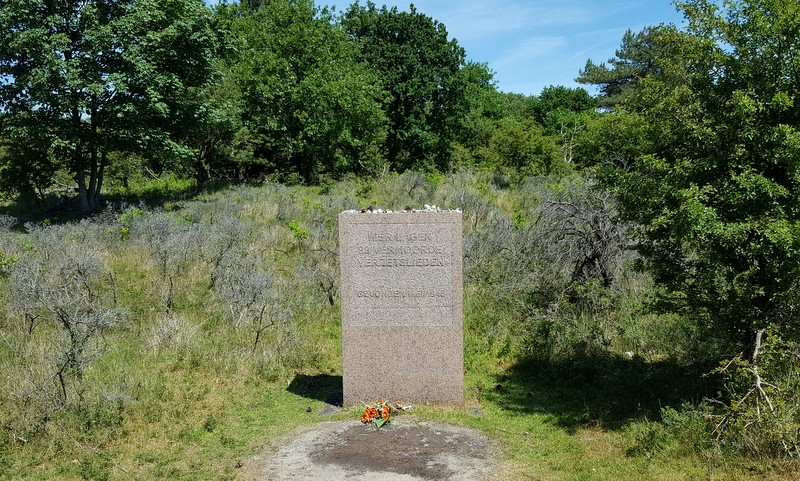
(195, 410)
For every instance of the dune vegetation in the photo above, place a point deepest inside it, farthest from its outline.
(170, 179)
(177, 339)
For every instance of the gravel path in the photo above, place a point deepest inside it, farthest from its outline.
(406, 450)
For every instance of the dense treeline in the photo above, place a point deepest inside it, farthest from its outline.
(685, 165)
(284, 90)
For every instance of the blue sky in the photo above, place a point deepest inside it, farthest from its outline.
(532, 44)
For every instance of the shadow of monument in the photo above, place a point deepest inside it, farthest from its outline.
(604, 391)
(319, 387)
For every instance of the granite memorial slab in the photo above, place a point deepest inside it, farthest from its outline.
(401, 291)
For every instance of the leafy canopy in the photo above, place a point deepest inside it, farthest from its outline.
(420, 69)
(716, 194)
(80, 80)
(311, 109)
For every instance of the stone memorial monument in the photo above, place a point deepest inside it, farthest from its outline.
(401, 289)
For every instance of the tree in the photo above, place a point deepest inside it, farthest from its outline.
(216, 132)
(522, 147)
(716, 198)
(563, 111)
(518, 105)
(612, 139)
(485, 109)
(311, 108)
(80, 80)
(419, 67)
(556, 101)
(640, 55)
(25, 166)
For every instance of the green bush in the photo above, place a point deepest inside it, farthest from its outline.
(760, 416)
(684, 431)
(647, 438)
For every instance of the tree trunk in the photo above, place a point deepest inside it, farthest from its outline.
(80, 178)
(89, 194)
(90, 199)
(200, 173)
(100, 176)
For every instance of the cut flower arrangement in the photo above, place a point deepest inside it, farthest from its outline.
(380, 412)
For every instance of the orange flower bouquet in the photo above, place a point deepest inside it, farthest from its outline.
(377, 413)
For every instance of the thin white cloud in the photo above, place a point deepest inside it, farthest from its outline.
(598, 44)
(528, 51)
(476, 20)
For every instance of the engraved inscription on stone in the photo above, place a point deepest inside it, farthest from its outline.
(401, 275)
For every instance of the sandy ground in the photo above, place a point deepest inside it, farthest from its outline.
(405, 450)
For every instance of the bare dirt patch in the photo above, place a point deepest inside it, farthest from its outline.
(406, 450)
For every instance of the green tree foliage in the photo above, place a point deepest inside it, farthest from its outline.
(479, 123)
(33, 173)
(563, 113)
(613, 139)
(310, 109)
(555, 104)
(420, 68)
(502, 133)
(218, 133)
(520, 147)
(518, 105)
(80, 80)
(640, 55)
(716, 199)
